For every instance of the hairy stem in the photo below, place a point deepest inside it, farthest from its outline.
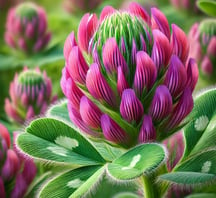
(148, 187)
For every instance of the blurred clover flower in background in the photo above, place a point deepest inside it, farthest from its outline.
(30, 95)
(202, 37)
(26, 28)
(128, 78)
(16, 172)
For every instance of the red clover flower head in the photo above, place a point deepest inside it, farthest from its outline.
(127, 78)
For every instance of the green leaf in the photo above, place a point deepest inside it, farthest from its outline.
(60, 112)
(67, 183)
(51, 140)
(203, 162)
(200, 133)
(37, 183)
(207, 6)
(140, 159)
(187, 178)
(108, 152)
(202, 195)
(89, 184)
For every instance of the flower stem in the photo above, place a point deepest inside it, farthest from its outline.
(147, 187)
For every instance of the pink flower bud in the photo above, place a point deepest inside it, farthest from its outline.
(77, 66)
(206, 66)
(121, 81)
(29, 91)
(20, 187)
(175, 145)
(90, 113)
(26, 28)
(145, 74)
(212, 47)
(179, 43)
(139, 11)
(161, 51)
(112, 57)
(5, 134)
(70, 42)
(77, 120)
(161, 105)
(112, 131)
(181, 110)
(159, 21)
(86, 29)
(11, 166)
(107, 10)
(176, 77)
(98, 86)
(192, 73)
(147, 132)
(131, 108)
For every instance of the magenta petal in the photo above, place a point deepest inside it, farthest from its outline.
(11, 166)
(69, 44)
(131, 108)
(179, 43)
(112, 131)
(206, 66)
(136, 9)
(181, 110)
(4, 134)
(145, 74)
(87, 27)
(161, 51)
(63, 82)
(176, 76)
(192, 73)
(159, 21)
(73, 93)
(20, 187)
(90, 113)
(211, 50)
(77, 120)
(107, 10)
(29, 171)
(98, 86)
(22, 44)
(175, 145)
(30, 113)
(77, 66)
(112, 57)
(161, 105)
(30, 31)
(122, 83)
(147, 132)
(11, 111)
